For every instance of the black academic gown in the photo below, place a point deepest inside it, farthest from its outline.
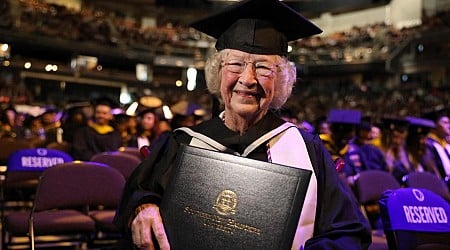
(338, 224)
(88, 142)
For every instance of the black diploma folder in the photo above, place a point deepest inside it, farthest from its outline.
(222, 201)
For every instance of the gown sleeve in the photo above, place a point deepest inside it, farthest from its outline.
(339, 223)
(147, 182)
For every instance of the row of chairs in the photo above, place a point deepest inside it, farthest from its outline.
(373, 187)
(70, 203)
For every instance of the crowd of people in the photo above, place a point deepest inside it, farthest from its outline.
(253, 97)
(396, 145)
(399, 140)
(114, 28)
(89, 128)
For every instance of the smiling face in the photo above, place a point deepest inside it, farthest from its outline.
(103, 114)
(247, 94)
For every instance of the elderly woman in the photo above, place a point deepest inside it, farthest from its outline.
(252, 77)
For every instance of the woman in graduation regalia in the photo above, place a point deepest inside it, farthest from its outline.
(251, 75)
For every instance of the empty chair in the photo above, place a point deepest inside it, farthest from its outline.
(24, 167)
(63, 198)
(9, 146)
(132, 151)
(369, 188)
(23, 170)
(429, 181)
(124, 163)
(415, 218)
(63, 146)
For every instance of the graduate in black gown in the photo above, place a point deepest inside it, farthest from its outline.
(361, 155)
(437, 141)
(251, 75)
(98, 136)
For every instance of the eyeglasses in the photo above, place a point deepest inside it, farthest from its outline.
(238, 66)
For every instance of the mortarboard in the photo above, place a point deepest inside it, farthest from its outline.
(419, 125)
(121, 117)
(104, 100)
(436, 114)
(257, 27)
(344, 116)
(50, 110)
(394, 124)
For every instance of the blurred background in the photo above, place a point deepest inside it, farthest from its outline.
(379, 56)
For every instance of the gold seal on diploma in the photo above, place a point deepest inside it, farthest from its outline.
(226, 203)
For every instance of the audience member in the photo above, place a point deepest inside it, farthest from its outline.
(73, 119)
(51, 123)
(147, 128)
(99, 136)
(8, 127)
(419, 154)
(437, 140)
(342, 129)
(393, 144)
(375, 135)
(362, 156)
(123, 124)
(322, 126)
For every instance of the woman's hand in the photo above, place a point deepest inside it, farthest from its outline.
(147, 222)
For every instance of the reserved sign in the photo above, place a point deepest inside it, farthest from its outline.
(416, 209)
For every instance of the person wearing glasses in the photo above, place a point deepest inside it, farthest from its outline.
(252, 76)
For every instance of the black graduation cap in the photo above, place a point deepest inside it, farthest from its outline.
(436, 114)
(257, 27)
(419, 125)
(107, 101)
(122, 117)
(344, 116)
(394, 124)
(50, 110)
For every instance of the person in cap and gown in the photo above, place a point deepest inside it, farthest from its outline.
(252, 76)
(361, 155)
(437, 140)
(74, 117)
(50, 120)
(147, 128)
(393, 139)
(126, 125)
(98, 136)
(343, 123)
(419, 154)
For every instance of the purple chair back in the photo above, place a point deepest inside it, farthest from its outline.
(77, 184)
(124, 163)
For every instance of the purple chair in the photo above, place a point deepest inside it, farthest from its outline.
(23, 169)
(415, 218)
(369, 188)
(125, 163)
(131, 151)
(429, 181)
(64, 197)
